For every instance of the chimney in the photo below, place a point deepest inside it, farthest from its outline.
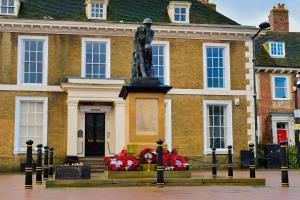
(279, 18)
(209, 5)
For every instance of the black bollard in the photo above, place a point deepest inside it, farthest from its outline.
(230, 166)
(28, 169)
(160, 168)
(46, 158)
(214, 163)
(252, 161)
(39, 169)
(51, 162)
(284, 168)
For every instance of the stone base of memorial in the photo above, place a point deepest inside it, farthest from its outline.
(72, 172)
(145, 113)
(145, 174)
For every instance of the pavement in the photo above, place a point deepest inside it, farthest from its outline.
(12, 188)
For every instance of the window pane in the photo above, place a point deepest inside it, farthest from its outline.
(95, 59)
(31, 122)
(215, 67)
(216, 126)
(33, 60)
(158, 61)
(280, 93)
(280, 82)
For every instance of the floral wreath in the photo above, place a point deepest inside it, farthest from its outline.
(121, 162)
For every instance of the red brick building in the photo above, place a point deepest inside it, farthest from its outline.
(278, 62)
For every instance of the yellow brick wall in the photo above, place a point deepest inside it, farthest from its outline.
(57, 121)
(187, 123)
(64, 59)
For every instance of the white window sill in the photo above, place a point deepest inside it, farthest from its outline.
(277, 56)
(218, 152)
(281, 99)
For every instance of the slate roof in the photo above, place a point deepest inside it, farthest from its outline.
(292, 50)
(119, 10)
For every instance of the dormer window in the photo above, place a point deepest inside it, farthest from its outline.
(96, 9)
(9, 7)
(179, 11)
(277, 49)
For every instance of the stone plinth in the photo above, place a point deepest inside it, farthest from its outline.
(145, 115)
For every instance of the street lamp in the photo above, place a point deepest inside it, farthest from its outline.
(262, 27)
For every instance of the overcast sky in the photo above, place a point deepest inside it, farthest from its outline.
(253, 12)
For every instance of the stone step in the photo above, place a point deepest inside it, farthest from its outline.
(97, 164)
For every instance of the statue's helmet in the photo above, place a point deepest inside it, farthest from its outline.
(147, 21)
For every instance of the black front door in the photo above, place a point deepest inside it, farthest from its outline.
(94, 134)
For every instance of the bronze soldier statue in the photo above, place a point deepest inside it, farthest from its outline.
(142, 51)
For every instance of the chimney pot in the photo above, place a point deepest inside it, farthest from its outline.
(279, 18)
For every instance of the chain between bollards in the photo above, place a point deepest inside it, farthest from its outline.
(252, 161)
(28, 169)
(39, 169)
(160, 168)
(230, 165)
(284, 167)
(51, 162)
(46, 158)
(214, 163)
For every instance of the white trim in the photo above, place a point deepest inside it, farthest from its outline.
(257, 84)
(177, 91)
(259, 131)
(166, 59)
(21, 58)
(229, 133)
(17, 149)
(34, 88)
(288, 95)
(226, 62)
(83, 54)
(168, 123)
(275, 55)
(289, 120)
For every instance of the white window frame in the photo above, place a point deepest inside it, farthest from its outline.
(89, 9)
(226, 62)
(186, 14)
(83, 55)
(166, 60)
(288, 95)
(276, 55)
(19, 99)
(16, 9)
(20, 80)
(168, 123)
(229, 133)
(179, 4)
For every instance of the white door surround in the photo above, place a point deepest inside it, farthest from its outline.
(286, 118)
(85, 90)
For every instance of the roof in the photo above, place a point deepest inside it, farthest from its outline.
(292, 50)
(119, 10)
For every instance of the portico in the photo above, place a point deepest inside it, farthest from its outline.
(96, 117)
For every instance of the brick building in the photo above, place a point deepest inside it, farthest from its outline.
(278, 62)
(63, 63)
